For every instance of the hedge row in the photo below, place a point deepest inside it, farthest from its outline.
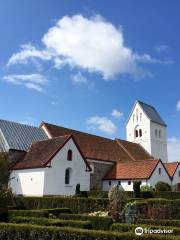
(163, 222)
(77, 205)
(29, 232)
(52, 222)
(98, 223)
(123, 227)
(28, 213)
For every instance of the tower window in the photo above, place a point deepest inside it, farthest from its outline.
(159, 133)
(69, 155)
(136, 133)
(140, 132)
(156, 133)
(129, 182)
(179, 173)
(137, 115)
(109, 183)
(159, 171)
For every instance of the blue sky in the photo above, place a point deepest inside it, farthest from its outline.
(82, 64)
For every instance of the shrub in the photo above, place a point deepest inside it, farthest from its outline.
(29, 232)
(162, 186)
(163, 222)
(123, 227)
(52, 222)
(57, 211)
(77, 205)
(78, 187)
(98, 223)
(136, 188)
(146, 188)
(28, 213)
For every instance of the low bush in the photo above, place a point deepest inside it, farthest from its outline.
(29, 232)
(57, 211)
(123, 227)
(98, 223)
(163, 222)
(52, 222)
(162, 186)
(76, 204)
(28, 213)
(136, 188)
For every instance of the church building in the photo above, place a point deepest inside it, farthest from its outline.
(52, 160)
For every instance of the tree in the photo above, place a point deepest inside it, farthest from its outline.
(5, 170)
(117, 198)
(162, 186)
(136, 188)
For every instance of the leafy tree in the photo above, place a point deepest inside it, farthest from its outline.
(136, 188)
(5, 170)
(162, 186)
(146, 188)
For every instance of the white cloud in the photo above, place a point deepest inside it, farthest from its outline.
(116, 113)
(161, 48)
(178, 106)
(79, 78)
(102, 123)
(27, 52)
(174, 149)
(93, 44)
(31, 81)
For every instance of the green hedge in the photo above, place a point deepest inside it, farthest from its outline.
(57, 211)
(77, 205)
(28, 213)
(123, 227)
(163, 222)
(29, 232)
(98, 223)
(52, 222)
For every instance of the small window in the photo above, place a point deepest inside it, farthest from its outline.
(159, 133)
(156, 133)
(69, 155)
(136, 133)
(67, 176)
(109, 183)
(137, 115)
(129, 182)
(119, 182)
(140, 132)
(179, 173)
(159, 171)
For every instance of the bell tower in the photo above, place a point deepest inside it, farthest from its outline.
(146, 127)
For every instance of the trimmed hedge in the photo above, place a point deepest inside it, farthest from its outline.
(28, 213)
(29, 232)
(98, 223)
(123, 227)
(57, 211)
(76, 204)
(52, 222)
(163, 222)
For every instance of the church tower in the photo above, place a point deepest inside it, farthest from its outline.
(146, 127)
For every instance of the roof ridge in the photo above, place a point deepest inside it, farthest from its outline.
(129, 154)
(13, 122)
(94, 135)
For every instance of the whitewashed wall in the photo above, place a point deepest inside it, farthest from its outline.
(51, 181)
(151, 182)
(54, 180)
(28, 181)
(176, 178)
(140, 123)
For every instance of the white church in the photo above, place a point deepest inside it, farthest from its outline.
(52, 160)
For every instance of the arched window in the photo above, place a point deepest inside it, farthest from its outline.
(156, 132)
(140, 132)
(136, 133)
(69, 155)
(67, 175)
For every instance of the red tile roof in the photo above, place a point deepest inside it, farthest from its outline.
(136, 150)
(100, 148)
(41, 152)
(171, 167)
(132, 170)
